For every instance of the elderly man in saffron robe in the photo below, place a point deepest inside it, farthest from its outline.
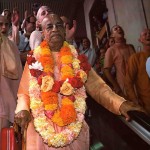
(51, 97)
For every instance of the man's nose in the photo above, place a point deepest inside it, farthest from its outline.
(3, 26)
(54, 27)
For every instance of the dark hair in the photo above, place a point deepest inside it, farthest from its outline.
(28, 18)
(35, 7)
(86, 39)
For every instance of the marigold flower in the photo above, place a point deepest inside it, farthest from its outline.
(66, 59)
(48, 68)
(50, 96)
(46, 61)
(51, 107)
(68, 114)
(65, 51)
(46, 52)
(57, 119)
(66, 101)
(44, 44)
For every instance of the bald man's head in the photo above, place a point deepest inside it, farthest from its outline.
(4, 24)
(53, 29)
(145, 37)
(53, 18)
(42, 13)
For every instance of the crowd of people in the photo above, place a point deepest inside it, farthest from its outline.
(48, 98)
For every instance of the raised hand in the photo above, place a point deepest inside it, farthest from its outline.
(71, 32)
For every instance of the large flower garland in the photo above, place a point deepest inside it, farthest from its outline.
(57, 102)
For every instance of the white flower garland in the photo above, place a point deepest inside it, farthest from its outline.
(42, 123)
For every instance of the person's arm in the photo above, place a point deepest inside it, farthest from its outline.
(15, 29)
(23, 102)
(15, 34)
(35, 39)
(108, 63)
(71, 32)
(102, 93)
(22, 112)
(24, 21)
(131, 74)
(112, 80)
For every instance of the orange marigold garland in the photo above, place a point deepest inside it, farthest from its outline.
(70, 110)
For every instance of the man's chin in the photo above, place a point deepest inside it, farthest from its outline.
(56, 38)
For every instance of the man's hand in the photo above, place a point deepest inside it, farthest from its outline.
(71, 32)
(129, 106)
(22, 118)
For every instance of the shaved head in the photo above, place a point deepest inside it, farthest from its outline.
(51, 18)
(53, 31)
(4, 24)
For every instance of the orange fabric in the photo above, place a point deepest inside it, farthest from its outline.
(102, 93)
(34, 140)
(96, 87)
(8, 52)
(118, 56)
(137, 75)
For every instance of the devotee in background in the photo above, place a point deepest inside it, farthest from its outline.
(70, 31)
(10, 75)
(117, 56)
(88, 51)
(13, 20)
(36, 36)
(137, 81)
(52, 92)
(24, 46)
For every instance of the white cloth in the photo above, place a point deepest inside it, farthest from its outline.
(35, 39)
(24, 43)
(10, 75)
(148, 66)
(91, 54)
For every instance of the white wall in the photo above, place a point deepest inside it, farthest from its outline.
(129, 14)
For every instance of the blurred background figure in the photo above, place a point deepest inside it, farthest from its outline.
(70, 30)
(117, 56)
(13, 20)
(137, 80)
(36, 36)
(88, 51)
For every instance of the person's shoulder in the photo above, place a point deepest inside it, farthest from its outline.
(110, 50)
(36, 33)
(131, 48)
(136, 56)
